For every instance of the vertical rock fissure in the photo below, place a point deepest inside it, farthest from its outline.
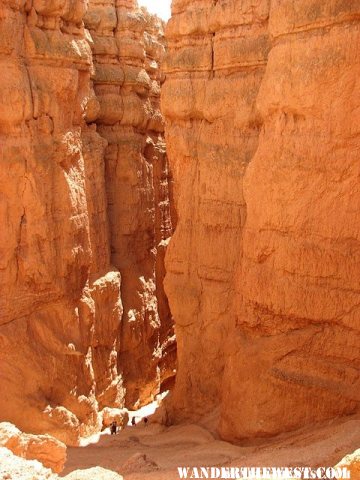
(128, 91)
(59, 257)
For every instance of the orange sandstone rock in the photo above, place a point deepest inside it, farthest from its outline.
(60, 306)
(80, 201)
(352, 463)
(14, 468)
(262, 271)
(294, 355)
(128, 48)
(44, 448)
(114, 414)
(214, 68)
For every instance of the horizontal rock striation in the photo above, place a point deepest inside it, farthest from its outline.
(263, 138)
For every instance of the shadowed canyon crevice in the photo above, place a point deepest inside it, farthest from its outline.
(85, 213)
(128, 47)
(243, 228)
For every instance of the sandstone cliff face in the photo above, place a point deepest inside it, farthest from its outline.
(263, 267)
(128, 46)
(214, 68)
(44, 448)
(60, 304)
(298, 284)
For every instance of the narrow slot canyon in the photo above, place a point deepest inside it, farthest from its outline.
(180, 238)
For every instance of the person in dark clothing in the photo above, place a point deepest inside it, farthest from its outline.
(113, 428)
(146, 420)
(133, 422)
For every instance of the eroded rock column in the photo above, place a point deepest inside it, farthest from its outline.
(128, 46)
(60, 300)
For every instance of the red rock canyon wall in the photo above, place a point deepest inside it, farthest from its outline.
(262, 117)
(216, 61)
(63, 337)
(262, 128)
(128, 47)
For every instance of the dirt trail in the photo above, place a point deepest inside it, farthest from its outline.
(154, 452)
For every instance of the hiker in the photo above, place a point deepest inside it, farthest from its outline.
(146, 420)
(133, 422)
(113, 427)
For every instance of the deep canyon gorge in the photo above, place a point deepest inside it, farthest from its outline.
(198, 178)
(85, 321)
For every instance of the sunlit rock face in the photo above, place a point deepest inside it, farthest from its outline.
(60, 299)
(262, 272)
(13, 467)
(60, 307)
(44, 448)
(352, 463)
(128, 47)
(298, 282)
(214, 68)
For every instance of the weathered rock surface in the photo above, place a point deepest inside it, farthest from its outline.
(128, 46)
(263, 139)
(109, 415)
(352, 463)
(44, 448)
(60, 303)
(15, 468)
(297, 311)
(216, 61)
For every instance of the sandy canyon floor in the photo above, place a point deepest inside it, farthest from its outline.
(153, 452)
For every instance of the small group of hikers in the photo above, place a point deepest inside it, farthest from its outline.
(114, 425)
